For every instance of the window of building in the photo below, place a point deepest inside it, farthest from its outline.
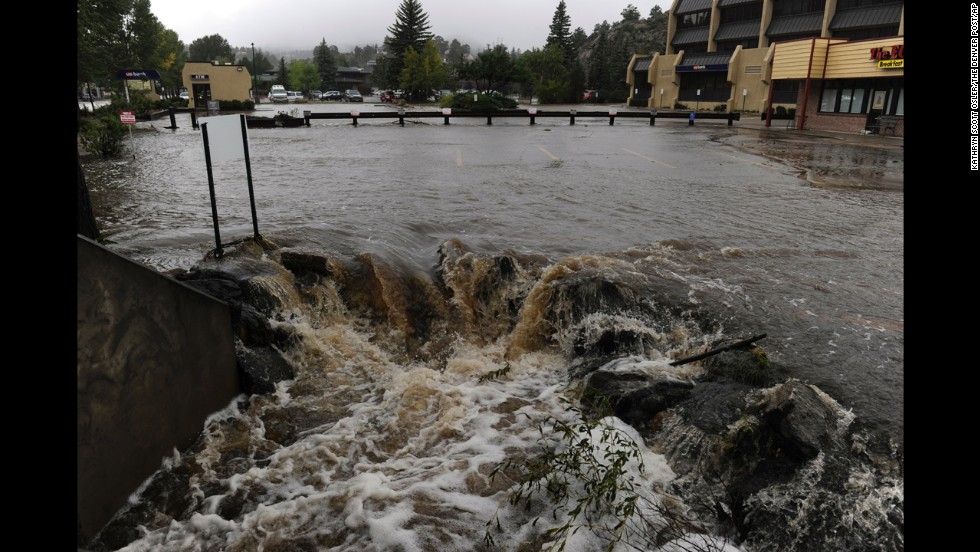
(742, 12)
(854, 95)
(714, 87)
(730, 45)
(785, 91)
(797, 7)
(696, 19)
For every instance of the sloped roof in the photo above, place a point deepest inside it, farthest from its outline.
(642, 64)
(728, 3)
(795, 24)
(873, 16)
(735, 31)
(706, 58)
(691, 6)
(691, 36)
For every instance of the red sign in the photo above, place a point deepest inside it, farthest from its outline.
(127, 117)
(895, 52)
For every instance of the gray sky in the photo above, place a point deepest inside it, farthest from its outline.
(281, 25)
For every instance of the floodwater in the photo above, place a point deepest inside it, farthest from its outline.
(800, 239)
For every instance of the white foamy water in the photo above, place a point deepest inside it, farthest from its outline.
(405, 465)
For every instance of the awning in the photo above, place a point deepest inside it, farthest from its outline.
(738, 31)
(642, 64)
(691, 36)
(691, 6)
(729, 3)
(704, 61)
(861, 18)
(795, 24)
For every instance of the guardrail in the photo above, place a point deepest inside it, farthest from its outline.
(530, 114)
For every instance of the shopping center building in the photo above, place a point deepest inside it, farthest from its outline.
(838, 64)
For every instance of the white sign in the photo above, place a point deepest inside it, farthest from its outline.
(225, 137)
(745, 91)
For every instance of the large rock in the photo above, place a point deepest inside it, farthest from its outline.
(634, 397)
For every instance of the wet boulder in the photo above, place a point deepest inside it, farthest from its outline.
(634, 397)
(261, 368)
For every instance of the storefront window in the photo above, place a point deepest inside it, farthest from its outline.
(829, 97)
(857, 100)
(853, 95)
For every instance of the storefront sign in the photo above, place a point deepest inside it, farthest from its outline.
(131, 74)
(692, 68)
(895, 52)
(199, 77)
(891, 64)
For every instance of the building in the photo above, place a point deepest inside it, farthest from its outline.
(210, 80)
(838, 63)
(354, 78)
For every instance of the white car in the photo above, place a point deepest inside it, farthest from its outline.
(294, 96)
(184, 95)
(278, 94)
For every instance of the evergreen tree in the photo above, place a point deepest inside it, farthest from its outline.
(658, 29)
(560, 31)
(283, 76)
(326, 66)
(599, 75)
(410, 30)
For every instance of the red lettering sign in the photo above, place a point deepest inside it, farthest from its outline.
(895, 52)
(127, 117)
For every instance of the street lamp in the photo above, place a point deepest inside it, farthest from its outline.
(255, 89)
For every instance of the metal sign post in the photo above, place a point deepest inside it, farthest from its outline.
(214, 206)
(128, 118)
(225, 132)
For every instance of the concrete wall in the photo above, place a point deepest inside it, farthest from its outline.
(155, 358)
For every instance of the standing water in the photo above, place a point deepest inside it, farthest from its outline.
(474, 271)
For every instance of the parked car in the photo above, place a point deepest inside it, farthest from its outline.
(353, 96)
(387, 96)
(278, 94)
(294, 96)
(590, 95)
(316, 95)
(333, 95)
(184, 95)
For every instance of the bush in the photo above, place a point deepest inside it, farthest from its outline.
(679, 105)
(721, 108)
(591, 470)
(484, 102)
(102, 134)
(780, 110)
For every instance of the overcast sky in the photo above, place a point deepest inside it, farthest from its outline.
(281, 25)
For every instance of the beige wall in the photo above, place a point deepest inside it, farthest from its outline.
(853, 59)
(666, 78)
(227, 81)
(746, 72)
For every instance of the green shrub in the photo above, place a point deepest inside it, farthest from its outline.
(102, 134)
(780, 110)
(588, 469)
(679, 105)
(721, 108)
(484, 102)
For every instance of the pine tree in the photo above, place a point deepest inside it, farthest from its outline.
(411, 30)
(560, 31)
(283, 76)
(326, 66)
